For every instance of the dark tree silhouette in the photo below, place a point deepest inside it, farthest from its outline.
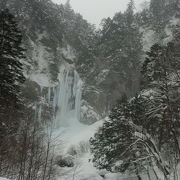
(11, 69)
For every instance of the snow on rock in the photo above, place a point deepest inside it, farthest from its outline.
(175, 21)
(88, 114)
(169, 29)
(102, 76)
(169, 35)
(149, 93)
(149, 38)
(42, 79)
(68, 53)
(40, 55)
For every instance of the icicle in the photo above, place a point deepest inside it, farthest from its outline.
(49, 95)
(39, 108)
(40, 112)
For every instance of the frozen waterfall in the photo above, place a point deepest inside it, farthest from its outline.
(63, 98)
(67, 97)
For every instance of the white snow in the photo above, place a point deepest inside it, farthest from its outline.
(83, 170)
(149, 38)
(175, 21)
(75, 137)
(102, 75)
(42, 79)
(148, 93)
(68, 52)
(88, 113)
(169, 29)
(76, 142)
(40, 54)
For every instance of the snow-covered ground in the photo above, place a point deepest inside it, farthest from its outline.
(1, 178)
(75, 143)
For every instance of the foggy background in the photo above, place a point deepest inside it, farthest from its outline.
(95, 10)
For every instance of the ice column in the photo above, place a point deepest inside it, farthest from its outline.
(67, 98)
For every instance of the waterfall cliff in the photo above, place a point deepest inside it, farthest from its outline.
(67, 97)
(63, 98)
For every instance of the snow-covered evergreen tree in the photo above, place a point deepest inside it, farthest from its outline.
(11, 68)
(150, 121)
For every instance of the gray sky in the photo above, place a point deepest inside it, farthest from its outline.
(95, 10)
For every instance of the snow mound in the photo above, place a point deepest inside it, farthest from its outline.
(75, 138)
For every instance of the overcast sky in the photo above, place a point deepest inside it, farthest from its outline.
(95, 10)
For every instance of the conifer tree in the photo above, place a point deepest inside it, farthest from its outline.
(161, 72)
(144, 131)
(112, 145)
(121, 47)
(11, 68)
(112, 139)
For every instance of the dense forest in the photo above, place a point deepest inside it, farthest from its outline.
(82, 103)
